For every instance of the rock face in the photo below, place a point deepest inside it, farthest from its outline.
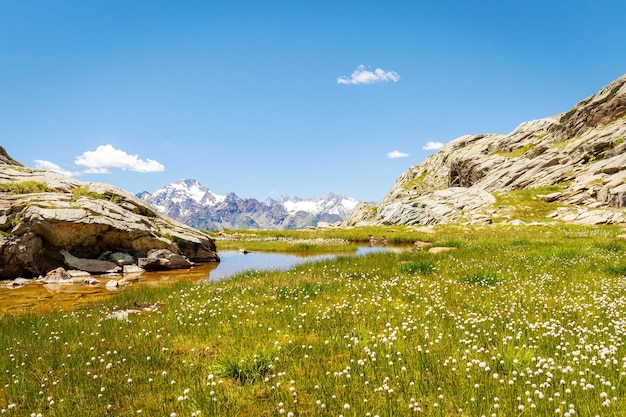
(580, 154)
(195, 205)
(5, 159)
(49, 220)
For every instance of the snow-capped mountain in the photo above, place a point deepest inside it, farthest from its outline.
(191, 203)
(329, 203)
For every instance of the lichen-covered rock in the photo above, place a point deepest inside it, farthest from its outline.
(84, 219)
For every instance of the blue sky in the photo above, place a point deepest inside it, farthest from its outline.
(265, 98)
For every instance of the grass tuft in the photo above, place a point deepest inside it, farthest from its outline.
(417, 267)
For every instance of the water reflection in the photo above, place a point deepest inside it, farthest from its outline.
(35, 297)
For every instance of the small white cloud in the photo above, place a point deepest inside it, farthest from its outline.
(51, 166)
(396, 154)
(432, 146)
(106, 156)
(363, 76)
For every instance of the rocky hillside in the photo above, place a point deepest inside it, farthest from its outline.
(195, 205)
(574, 162)
(49, 220)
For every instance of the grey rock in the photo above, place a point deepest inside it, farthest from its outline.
(84, 219)
(76, 273)
(112, 285)
(163, 259)
(132, 269)
(441, 206)
(5, 159)
(550, 197)
(93, 266)
(122, 258)
(17, 282)
(58, 276)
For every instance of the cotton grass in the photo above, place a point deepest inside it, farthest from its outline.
(538, 329)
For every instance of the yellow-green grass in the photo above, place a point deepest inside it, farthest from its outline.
(316, 240)
(24, 187)
(517, 321)
(286, 245)
(526, 204)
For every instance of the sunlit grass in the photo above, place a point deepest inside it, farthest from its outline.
(526, 204)
(517, 321)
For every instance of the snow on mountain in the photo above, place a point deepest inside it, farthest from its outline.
(180, 198)
(329, 203)
(191, 203)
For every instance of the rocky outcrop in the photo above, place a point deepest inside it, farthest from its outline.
(5, 159)
(580, 154)
(453, 204)
(49, 220)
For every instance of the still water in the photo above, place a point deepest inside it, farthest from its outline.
(35, 297)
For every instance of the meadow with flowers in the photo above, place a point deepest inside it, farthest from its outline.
(517, 321)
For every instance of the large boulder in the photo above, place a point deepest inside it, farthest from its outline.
(44, 216)
(93, 266)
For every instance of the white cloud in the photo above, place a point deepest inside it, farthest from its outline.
(106, 156)
(51, 166)
(432, 146)
(396, 154)
(363, 76)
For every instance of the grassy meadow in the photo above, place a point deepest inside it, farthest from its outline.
(517, 321)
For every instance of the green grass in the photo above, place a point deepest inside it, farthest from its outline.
(421, 266)
(517, 321)
(525, 204)
(85, 191)
(416, 183)
(24, 187)
(314, 240)
(516, 153)
(286, 245)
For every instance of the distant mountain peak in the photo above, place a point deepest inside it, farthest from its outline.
(192, 203)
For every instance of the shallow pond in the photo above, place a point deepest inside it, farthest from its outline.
(35, 297)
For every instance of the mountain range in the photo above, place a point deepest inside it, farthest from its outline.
(195, 205)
